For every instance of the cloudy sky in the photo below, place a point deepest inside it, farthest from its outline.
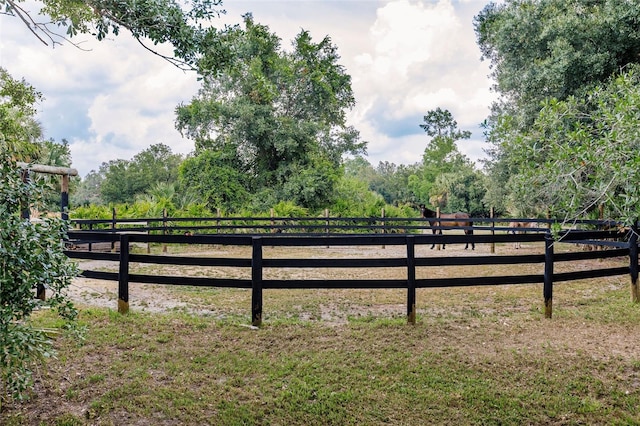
(113, 99)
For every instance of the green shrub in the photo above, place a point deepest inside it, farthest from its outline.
(31, 255)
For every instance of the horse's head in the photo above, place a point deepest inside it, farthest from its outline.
(426, 212)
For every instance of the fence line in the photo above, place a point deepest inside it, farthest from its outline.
(257, 263)
(321, 225)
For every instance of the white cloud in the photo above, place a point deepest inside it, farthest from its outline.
(405, 57)
(423, 56)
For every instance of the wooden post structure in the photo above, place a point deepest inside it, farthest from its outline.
(548, 275)
(384, 231)
(326, 222)
(256, 282)
(123, 275)
(113, 227)
(411, 280)
(24, 209)
(65, 172)
(64, 197)
(492, 215)
(633, 262)
(272, 213)
(164, 228)
(438, 223)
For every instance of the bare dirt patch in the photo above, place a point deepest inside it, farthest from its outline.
(338, 305)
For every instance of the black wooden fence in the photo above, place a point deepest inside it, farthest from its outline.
(628, 247)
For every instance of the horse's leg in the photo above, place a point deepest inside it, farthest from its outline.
(435, 231)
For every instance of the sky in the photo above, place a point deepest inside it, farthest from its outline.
(113, 99)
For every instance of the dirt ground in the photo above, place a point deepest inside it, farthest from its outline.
(102, 293)
(158, 298)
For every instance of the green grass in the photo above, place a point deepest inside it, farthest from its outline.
(481, 355)
(473, 366)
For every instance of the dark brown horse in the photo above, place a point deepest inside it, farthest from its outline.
(454, 219)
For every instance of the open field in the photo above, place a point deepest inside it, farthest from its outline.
(476, 355)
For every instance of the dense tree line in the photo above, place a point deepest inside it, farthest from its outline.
(561, 137)
(157, 177)
(558, 66)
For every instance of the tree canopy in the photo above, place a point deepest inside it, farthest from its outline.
(277, 117)
(546, 56)
(542, 49)
(590, 155)
(446, 178)
(122, 180)
(19, 129)
(149, 22)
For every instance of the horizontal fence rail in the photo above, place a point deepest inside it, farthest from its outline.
(625, 245)
(324, 225)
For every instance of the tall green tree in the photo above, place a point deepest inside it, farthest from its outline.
(463, 190)
(441, 156)
(217, 179)
(19, 130)
(392, 182)
(585, 152)
(280, 113)
(541, 50)
(88, 190)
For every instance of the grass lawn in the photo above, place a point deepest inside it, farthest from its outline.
(478, 355)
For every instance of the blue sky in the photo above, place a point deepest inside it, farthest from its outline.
(113, 99)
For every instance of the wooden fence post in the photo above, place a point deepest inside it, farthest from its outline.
(272, 213)
(64, 197)
(25, 212)
(548, 275)
(113, 227)
(492, 215)
(123, 275)
(411, 280)
(90, 229)
(384, 231)
(164, 228)
(326, 223)
(256, 281)
(438, 223)
(633, 262)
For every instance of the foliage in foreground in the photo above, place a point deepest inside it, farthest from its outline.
(590, 154)
(31, 253)
(554, 53)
